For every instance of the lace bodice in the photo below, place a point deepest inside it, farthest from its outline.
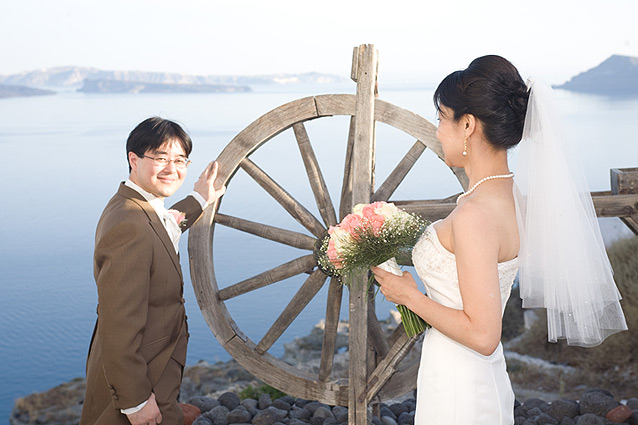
(436, 266)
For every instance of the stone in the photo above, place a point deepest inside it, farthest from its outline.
(323, 412)
(264, 401)
(563, 408)
(520, 411)
(190, 412)
(312, 406)
(229, 400)
(376, 420)
(265, 417)
(545, 419)
(530, 422)
(567, 421)
(217, 415)
(533, 402)
(385, 411)
(534, 412)
(406, 418)
(519, 420)
(387, 420)
(398, 409)
(410, 404)
(294, 421)
(590, 419)
(340, 413)
(287, 399)
(280, 404)
(632, 403)
(633, 419)
(317, 420)
(331, 421)
(202, 420)
(204, 404)
(301, 402)
(300, 414)
(597, 403)
(619, 414)
(239, 415)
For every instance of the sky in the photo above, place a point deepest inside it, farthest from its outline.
(417, 40)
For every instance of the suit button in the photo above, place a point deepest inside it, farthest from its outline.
(183, 300)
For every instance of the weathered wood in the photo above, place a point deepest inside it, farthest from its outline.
(345, 204)
(608, 205)
(397, 175)
(317, 182)
(299, 301)
(277, 234)
(624, 181)
(401, 382)
(290, 204)
(284, 271)
(331, 325)
(387, 367)
(361, 169)
(375, 333)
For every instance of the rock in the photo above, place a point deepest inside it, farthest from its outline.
(406, 418)
(563, 408)
(317, 420)
(331, 421)
(202, 420)
(398, 409)
(519, 420)
(590, 419)
(217, 415)
(633, 419)
(229, 400)
(190, 412)
(239, 415)
(312, 406)
(298, 413)
(204, 404)
(340, 413)
(632, 403)
(597, 402)
(294, 421)
(545, 419)
(534, 412)
(410, 404)
(323, 412)
(269, 416)
(376, 420)
(301, 402)
(530, 422)
(533, 402)
(619, 414)
(567, 421)
(60, 405)
(387, 420)
(280, 404)
(264, 401)
(385, 411)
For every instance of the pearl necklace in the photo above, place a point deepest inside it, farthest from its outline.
(483, 180)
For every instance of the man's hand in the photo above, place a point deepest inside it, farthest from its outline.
(148, 415)
(205, 184)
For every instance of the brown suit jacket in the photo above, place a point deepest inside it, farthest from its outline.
(141, 321)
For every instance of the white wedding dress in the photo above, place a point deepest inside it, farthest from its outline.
(456, 385)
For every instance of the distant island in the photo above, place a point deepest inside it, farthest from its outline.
(91, 80)
(115, 86)
(21, 91)
(617, 76)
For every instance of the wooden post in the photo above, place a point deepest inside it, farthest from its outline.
(364, 67)
(624, 181)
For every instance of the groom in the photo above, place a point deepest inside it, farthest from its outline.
(138, 348)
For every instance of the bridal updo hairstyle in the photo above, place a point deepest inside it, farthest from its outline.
(493, 91)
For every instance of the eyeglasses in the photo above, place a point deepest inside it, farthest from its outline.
(162, 161)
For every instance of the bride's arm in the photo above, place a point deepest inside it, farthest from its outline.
(475, 239)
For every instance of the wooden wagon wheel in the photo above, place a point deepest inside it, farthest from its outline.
(253, 355)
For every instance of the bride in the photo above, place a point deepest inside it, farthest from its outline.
(469, 260)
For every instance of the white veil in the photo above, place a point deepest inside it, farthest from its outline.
(563, 265)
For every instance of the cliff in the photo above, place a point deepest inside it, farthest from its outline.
(19, 91)
(617, 76)
(115, 86)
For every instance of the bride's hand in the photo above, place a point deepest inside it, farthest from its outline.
(396, 289)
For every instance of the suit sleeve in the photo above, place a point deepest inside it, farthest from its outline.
(192, 208)
(123, 259)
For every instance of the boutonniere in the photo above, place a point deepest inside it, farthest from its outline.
(180, 217)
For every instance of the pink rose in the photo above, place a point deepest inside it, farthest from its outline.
(371, 216)
(350, 222)
(179, 216)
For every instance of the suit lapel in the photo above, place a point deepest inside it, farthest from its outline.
(155, 223)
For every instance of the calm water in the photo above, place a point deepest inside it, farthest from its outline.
(65, 155)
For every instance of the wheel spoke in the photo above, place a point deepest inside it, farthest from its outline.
(397, 175)
(345, 205)
(299, 301)
(317, 182)
(376, 335)
(286, 237)
(284, 271)
(290, 204)
(430, 210)
(333, 310)
(387, 366)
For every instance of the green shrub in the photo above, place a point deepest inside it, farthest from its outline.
(255, 392)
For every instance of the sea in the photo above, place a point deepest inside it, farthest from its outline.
(64, 157)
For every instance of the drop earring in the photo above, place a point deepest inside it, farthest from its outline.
(465, 146)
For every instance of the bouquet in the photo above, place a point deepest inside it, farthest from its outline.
(373, 235)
